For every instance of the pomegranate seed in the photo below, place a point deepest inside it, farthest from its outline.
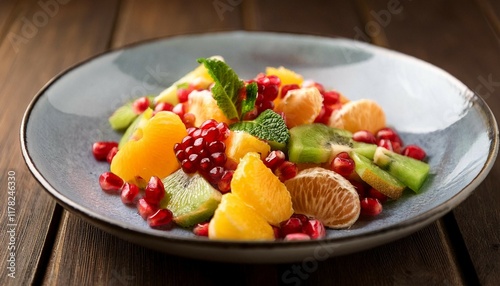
(111, 154)
(201, 229)
(414, 151)
(252, 114)
(376, 194)
(145, 209)
(181, 155)
(297, 236)
(216, 173)
(183, 94)
(274, 159)
(370, 207)
(188, 119)
(129, 193)
(330, 97)
(291, 225)
(224, 184)
(179, 109)
(161, 219)
(197, 133)
(310, 83)
(314, 228)
(265, 105)
(288, 87)
(390, 134)
(140, 104)
(303, 218)
(271, 92)
(276, 231)
(110, 182)
(186, 142)
(209, 123)
(101, 149)
(385, 143)
(194, 158)
(286, 171)
(154, 191)
(274, 80)
(210, 134)
(360, 188)
(224, 131)
(364, 136)
(216, 146)
(188, 167)
(219, 158)
(190, 130)
(163, 106)
(343, 164)
(205, 164)
(198, 145)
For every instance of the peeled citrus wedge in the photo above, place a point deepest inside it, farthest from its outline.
(286, 76)
(203, 105)
(300, 106)
(239, 143)
(326, 196)
(151, 153)
(235, 220)
(363, 114)
(259, 188)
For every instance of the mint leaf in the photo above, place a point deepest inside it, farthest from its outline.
(249, 102)
(227, 85)
(268, 126)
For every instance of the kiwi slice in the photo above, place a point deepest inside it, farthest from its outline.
(318, 143)
(376, 177)
(124, 116)
(409, 171)
(190, 198)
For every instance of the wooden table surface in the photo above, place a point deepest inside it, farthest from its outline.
(39, 39)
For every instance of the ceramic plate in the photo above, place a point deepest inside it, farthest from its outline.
(425, 104)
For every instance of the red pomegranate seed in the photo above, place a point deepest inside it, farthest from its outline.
(216, 173)
(198, 145)
(274, 79)
(288, 87)
(224, 185)
(224, 131)
(252, 114)
(197, 133)
(154, 191)
(296, 236)
(310, 83)
(291, 225)
(414, 151)
(314, 228)
(181, 155)
(205, 164)
(190, 130)
(343, 164)
(161, 219)
(274, 159)
(140, 104)
(163, 106)
(271, 92)
(330, 97)
(303, 218)
(390, 134)
(210, 134)
(110, 182)
(385, 143)
(101, 149)
(216, 146)
(364, 136)
(209, 123)
(145, 209)
(188, 167)
(370, 207)
(218, 158)
(376, 194)
(111, 154)
(360, 188)
(286, 171)
(186, 142)
(129, 193)
(183, 94)
(179, 109)
(265, 105)
(276, 231)
(201, 229)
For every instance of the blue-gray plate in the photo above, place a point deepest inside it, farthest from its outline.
(426, 105)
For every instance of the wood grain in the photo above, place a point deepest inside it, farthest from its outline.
(455, 36)
(55, 42)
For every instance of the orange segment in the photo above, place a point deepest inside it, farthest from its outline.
(235, 220)
(239, 143)
(326, 196)
(153, 153)
(363, 114)
(286, 76)
(203, 105)
(300, 106)
(258, 187)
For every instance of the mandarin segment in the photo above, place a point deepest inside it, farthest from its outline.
(258, 187)
(204, 107)
(363, 114)
(239, 143)
(235, 220)
(326, 196)
(286, 76)
(153, 153)
(300, 106)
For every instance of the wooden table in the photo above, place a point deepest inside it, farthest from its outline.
(39, 39)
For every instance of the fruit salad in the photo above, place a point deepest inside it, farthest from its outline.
(275, 157)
